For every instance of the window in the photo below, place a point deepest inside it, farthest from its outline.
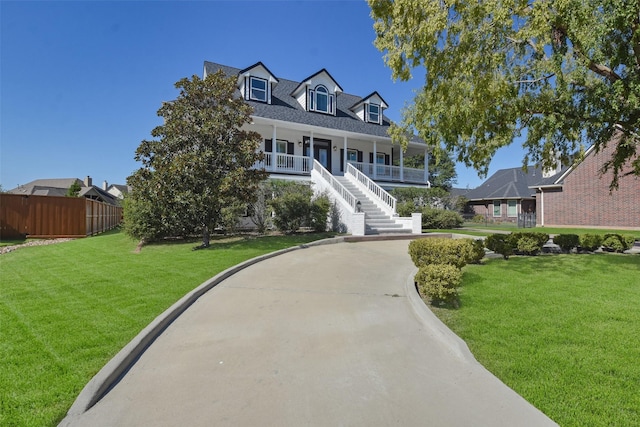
(512, 208)
(320, 100)
(373, 113)
(281, 146)
(497, 208)
(352, 155)
(258, 90)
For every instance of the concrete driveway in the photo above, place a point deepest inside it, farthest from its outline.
(327, 335)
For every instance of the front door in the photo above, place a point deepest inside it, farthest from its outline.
(321, 151)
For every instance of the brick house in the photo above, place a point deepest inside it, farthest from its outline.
(580, 196)
(507, 194)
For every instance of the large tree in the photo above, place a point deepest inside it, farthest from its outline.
(200, 163)
(563, 72)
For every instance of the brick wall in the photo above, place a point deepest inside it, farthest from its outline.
(585, 199)
(523, 206)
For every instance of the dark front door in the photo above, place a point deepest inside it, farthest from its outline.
(321, 151)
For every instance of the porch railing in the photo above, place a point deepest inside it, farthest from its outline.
(337, 186)
(385, 198)
(391, 173)
(285, 163)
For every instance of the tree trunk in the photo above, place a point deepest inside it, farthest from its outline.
(205, 237)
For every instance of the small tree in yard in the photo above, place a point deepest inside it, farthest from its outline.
(201, 162)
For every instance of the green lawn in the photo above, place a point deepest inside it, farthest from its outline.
(66, 309)
(563, 331)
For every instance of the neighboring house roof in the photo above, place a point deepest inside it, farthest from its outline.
(512, 183)
(285, 107)
(459, 191)
(59, 187)
(47, 187)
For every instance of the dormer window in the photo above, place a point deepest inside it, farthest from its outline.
(258, 90)
(373, 113)
(321, 100)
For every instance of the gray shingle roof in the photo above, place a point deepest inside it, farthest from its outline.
(512, 183)
(286, 108)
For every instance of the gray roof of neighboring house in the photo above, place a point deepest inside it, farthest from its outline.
(59, 187)
(512, 183)
(286, 108)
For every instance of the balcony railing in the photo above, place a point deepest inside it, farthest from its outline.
(285, 163)
(302, 165)
(379, 172)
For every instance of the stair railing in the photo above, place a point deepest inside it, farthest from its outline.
(387, 200)
(337, 186)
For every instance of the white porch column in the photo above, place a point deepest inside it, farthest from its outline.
(311, 155)
(273, 148)
(401, 164)
(426, 166)
(375, 160)
(344, 158)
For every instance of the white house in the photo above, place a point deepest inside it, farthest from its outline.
(312, 130)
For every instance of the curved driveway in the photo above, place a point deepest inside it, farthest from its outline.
(328, 335)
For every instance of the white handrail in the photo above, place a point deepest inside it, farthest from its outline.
(337, 186)
(379, 192)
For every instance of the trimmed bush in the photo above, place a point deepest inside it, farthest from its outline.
(406, 208)
(500, 244)
(291, 211)
(527, 245)
(440, 218)
(617, 242)
(458, 252)
(439, 282)
(477, 218)
(567, 241)
(590, 242)
(319, 213)
(477, 251)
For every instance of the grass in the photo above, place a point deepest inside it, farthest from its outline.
(562, 331)
(67, 309)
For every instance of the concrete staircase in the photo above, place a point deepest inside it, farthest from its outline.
(376, 220)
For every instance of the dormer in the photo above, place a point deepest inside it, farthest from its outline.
(318, 93)
(370, 108)
(256, 83)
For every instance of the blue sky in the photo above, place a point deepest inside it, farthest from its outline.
(81, 81)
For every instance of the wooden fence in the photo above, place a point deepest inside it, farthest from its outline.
(50, 216)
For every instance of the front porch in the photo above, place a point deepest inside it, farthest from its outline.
(291, 164)
(291, 148)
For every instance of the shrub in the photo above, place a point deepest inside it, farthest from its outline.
(439, 282)
(567, 241)
(440, 218)
(590, 242)
(457, 252)
(319, 213)
(291, 211)
(477, 251)
(334, 214)
(477, 218)
(617, 242)
(500, 244)
(406, 208)
(528, 246)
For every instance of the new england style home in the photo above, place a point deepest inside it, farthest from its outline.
(313, 131)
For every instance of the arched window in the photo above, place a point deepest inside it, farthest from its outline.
(321, 100)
